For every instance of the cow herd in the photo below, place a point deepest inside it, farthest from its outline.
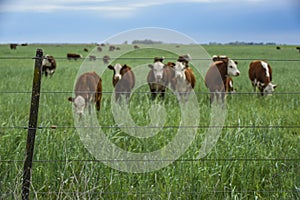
(177, 76)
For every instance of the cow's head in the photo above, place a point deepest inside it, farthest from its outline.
(232, 69)
(266, 89)
(158, 69)
(179, 69)
(48, 61)
(117, 72)
(79, 104)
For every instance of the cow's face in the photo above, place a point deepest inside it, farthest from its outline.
(269, 89)
(117, 71)
(232, 69)
(47, 61)
(79, 104)
(158, 69)
(179, 69)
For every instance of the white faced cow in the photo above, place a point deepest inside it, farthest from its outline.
(123, 80)
(48, 65)
(184, 79)
(158, 77)
(217, 74)
(260, 75)
(88, 90)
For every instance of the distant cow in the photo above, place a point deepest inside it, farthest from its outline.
(73, 56)
(123, 80)
(48, 65)
(88, 90)
(13, 46)
(106, 59)
(86, 50)
(217, 74)
(99, 49)
(158, 77)
(260, 75)
(298, 48)
(184, 79)
(111, 48)
(92, 58)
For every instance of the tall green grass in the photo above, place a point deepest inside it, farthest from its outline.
(256, 156)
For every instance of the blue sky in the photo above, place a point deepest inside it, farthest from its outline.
(86, 21)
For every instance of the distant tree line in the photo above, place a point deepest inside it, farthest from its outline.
(243, 43)
(146, 41)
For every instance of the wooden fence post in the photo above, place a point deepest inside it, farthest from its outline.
(34, 107)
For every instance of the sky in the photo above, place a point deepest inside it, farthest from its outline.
(94, 21)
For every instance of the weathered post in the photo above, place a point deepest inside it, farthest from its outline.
(34, 107)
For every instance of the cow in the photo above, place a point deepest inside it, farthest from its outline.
(13, 46)
(99, 49)
(260, 75)
(48, 65)
(106, 59)
(158, 77)
(92, 58)
(183, 81)
(85, 50)
(123, 80)
(88, 90)
(229, 81)
(73, 56)
(111, 48)
(217, 74)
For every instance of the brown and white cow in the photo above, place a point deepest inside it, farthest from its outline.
(48, 65)
(123, 80)
(88, 90)
(184, 79)
(158, 77)
(260, 75)
(73, 56)
(217, 74)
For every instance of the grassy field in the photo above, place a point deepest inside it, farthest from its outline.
(256, 156)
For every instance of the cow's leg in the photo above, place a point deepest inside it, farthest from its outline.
(153, 94)
(162, 93)
(212, 95)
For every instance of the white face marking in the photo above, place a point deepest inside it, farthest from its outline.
(179, 70)
(118, 68)
(265, 66)
(158, 68)
(46, 62)
(79, 103)
(232, 69)
(269, 89)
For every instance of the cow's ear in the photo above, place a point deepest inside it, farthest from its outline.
(124, 66)
(274, 86)
(71, 99)
(151, 66)
(110, 67)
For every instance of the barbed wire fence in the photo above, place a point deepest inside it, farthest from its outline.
(32, 127)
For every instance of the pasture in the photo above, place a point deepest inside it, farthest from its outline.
(256, 156)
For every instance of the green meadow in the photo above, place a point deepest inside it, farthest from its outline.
(256, 155)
